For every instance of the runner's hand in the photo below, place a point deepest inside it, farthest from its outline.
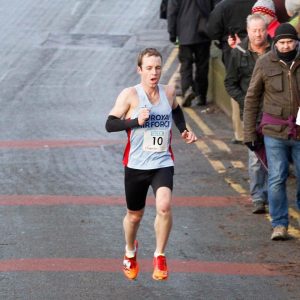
(189, 137)
(143, 116)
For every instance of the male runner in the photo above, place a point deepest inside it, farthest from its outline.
(145, 111)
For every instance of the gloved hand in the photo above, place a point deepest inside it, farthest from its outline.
(172, 39)
(254, 145)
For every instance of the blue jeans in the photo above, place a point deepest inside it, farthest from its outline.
(258, 179)
(278, 153)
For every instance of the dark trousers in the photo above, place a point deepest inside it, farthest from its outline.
(189, 55)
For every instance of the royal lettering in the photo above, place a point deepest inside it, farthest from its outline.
(157, 121)
(159, 117)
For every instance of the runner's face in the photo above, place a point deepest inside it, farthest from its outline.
(150, 70)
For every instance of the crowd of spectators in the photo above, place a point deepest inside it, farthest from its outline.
(259, 43)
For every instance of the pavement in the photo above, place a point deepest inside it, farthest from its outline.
(62, 200)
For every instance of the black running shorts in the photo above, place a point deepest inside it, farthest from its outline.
(137, 183)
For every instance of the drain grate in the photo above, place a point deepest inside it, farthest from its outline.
(85, 40)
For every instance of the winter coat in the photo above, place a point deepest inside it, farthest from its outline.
(277, 86)
(239, 72)
(229, 16)
(183, 18)
(163, 9)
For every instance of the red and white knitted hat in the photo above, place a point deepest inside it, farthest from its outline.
(264, 6)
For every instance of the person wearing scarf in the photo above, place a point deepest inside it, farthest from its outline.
(274, 91)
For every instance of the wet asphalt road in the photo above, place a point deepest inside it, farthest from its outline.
(61, 205)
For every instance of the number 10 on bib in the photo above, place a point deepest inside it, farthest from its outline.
(156, 140)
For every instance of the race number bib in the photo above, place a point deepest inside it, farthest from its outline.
(156, 140)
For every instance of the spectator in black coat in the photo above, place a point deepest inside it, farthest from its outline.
(194, 47)
(228, 17)
(163, 9)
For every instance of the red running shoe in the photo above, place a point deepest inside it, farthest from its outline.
(130, 265)
(160, 268)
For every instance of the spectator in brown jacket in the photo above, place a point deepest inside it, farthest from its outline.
(274, 87)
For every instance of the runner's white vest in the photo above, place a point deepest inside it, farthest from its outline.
(149, 146)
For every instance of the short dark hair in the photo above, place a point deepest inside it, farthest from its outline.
(147, 52)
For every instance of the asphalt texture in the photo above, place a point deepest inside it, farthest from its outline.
(63, 63)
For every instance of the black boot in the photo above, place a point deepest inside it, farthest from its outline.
(201, 100)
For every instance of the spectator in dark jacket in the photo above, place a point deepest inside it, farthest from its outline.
(194, 46)
(228, 18)
(163, 9)
(239, 72)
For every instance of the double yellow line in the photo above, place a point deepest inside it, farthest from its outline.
(218, 165)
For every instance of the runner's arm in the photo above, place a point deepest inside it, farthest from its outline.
(179, 119)
(116, 120)
(119, 117)
(178, 116)
(177, 113)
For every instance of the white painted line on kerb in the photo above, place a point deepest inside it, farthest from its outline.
(87, 84)
(4, 75)
(75, 8)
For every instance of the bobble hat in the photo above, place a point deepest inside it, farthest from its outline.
(265, 7)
